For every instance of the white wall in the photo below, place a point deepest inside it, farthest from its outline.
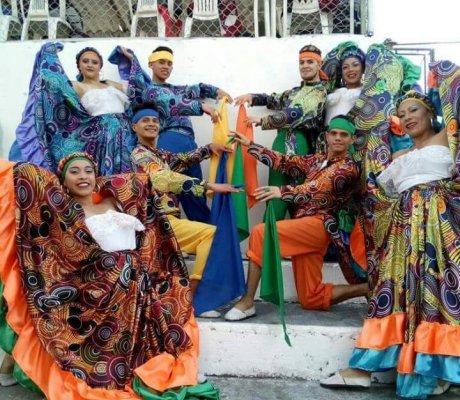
(237, 65)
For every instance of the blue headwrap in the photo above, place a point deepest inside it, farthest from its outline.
(145, 112)
(356, 53)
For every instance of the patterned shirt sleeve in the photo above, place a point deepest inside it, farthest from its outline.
(275, 101)
(300, 113)
(170, 103)
(201, 91)
(181, 161)
(164, 179)
(292, 165)
(325, 190)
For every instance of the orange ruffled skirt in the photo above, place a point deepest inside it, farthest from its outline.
(159, 373)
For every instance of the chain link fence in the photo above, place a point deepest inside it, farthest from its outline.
(189, 18)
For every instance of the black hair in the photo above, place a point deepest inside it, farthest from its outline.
(343, 116)
(163, 48)
(143, 106)
(311, 48)
(87, 49)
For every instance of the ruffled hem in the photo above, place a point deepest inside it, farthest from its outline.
(159, 373)
(435, 354)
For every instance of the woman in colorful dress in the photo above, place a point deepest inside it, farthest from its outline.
(346, 82)
(62, 117)
(96, 288)
(411, 219)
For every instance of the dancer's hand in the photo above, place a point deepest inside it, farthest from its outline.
(127, 53)
(238, 137)
(223, 94)
(223, 188)
(217, 149)
(245, 98)
(252, 120)
(211, 111)
(264, 193)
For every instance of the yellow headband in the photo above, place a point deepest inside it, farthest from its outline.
(309, 54)
(417, 101)
(161, 55)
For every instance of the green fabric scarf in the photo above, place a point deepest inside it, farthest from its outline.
(240, 202)
(203, 391)
(271, 287)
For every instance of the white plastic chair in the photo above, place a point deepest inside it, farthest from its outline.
(203, 10)
(7, 21)
(306, 7)
(147, 9)
(39, 12)
(266, 17)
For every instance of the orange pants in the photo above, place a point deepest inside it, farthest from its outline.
(306, 240)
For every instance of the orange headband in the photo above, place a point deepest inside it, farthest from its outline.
(310, 54)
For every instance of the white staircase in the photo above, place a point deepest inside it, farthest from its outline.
(322, 341)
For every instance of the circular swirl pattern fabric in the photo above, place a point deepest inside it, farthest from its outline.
(100, 314)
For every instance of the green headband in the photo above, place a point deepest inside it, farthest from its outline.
(68, 163)
(343, 124)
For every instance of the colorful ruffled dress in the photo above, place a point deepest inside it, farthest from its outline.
(83, 322)
(56, 122)
(412, 230)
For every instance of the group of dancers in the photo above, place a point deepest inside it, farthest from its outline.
(96, 298)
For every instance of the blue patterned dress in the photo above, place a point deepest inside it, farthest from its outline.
(55, 123)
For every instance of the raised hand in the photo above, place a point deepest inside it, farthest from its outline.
(245, 98)
(223, 94)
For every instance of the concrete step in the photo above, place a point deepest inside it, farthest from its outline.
(331, 274)
(268, 389)
(294, 389)
(321, 342)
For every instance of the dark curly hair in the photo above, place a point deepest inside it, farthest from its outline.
(85, 50)
(147, 105)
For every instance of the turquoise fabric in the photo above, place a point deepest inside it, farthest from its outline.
(428, 369)
(443, 367)
(415, 386)
(400, 142)
(375, 360)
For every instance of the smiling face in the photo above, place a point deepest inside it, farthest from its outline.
(147, 129)
(161, 69)
(89, 65)
(352, 72)
(80, 178)
(415, 119)
(338, 142)
(309, 69)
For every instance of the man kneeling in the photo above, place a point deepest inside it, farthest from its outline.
(330, 180)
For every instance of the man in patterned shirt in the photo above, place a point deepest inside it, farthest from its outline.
(299, 116)
(164, 169)
(330, 180)
(176, 104)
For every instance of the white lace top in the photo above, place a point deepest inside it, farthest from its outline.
(340, 102)
(430, 163)
(107, 100)
(114, 231)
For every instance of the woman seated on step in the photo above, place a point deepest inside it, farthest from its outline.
(411, 214)
(105, 308)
